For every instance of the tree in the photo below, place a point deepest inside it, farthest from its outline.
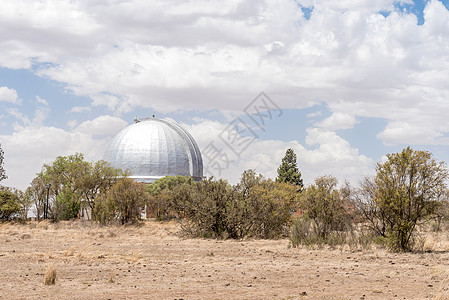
(9, 204)
(124, 200)
(37, 193)
(288, 170)
(96, 178)
(161, 201)
(406, 191)
(2, 170)
(256, 207)
(326, 206)
(22, 198)
(75, 183)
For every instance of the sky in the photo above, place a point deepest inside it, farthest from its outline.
(343, 83)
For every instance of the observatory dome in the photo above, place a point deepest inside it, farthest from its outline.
(152, 148)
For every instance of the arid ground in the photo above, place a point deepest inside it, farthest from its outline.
(155, 262)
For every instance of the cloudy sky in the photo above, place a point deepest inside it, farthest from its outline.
(345, 82)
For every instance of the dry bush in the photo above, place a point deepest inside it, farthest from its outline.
(50, 275)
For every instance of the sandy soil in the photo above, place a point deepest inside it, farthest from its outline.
(154, 262)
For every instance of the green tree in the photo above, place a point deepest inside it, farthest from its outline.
(406, 191)
(37, 194)
(124, 201)
(2, 170)
(288, 170)
(25, 202)
(161, 202)
(9, 204)
(255, 207)
(75, 183)
(96, 178)
(62, 174)
(326, 206)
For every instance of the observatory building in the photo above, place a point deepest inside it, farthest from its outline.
(152, 148)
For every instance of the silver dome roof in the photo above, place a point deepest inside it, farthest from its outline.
(153, 148)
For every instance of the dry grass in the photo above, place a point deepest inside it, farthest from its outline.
(154, 261)
(70, 251)
(50, 275)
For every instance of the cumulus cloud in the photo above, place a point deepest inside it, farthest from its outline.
(26, 151)
(338, 121)
(9, 95)
(102, 125)
(397, 133)
(206, 55)
(325, 153)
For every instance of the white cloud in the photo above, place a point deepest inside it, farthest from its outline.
(205, 55)
(19, 116)
(80, 109)
(102, 125)
(325, 153)
(22, 120)
(397, 133)
(338, 121)
(41, 101)
(9, 95)
(28, 149)
(72, 123)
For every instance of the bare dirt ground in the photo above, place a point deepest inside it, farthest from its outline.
(155, 262)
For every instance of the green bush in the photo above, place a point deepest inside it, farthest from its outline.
(303, 233)
(328, 208)
(408, 190)
(256, 207)
(122, 202)
(161, 201)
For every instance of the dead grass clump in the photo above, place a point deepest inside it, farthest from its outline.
(70, 251)
(50, 275)
(81, 252)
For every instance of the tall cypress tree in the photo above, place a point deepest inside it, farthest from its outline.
(288, 170)
(2, 171)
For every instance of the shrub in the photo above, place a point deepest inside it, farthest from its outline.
(270, 206)
(255, 207)
(328, 208)
(205, 207)
(407, 191)
(302, 232)
(123, 201)
(161, 199)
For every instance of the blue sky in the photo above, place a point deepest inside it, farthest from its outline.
(352, 80)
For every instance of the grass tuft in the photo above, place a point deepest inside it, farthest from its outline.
(50, 275)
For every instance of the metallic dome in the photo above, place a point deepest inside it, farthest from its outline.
(153, 148)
